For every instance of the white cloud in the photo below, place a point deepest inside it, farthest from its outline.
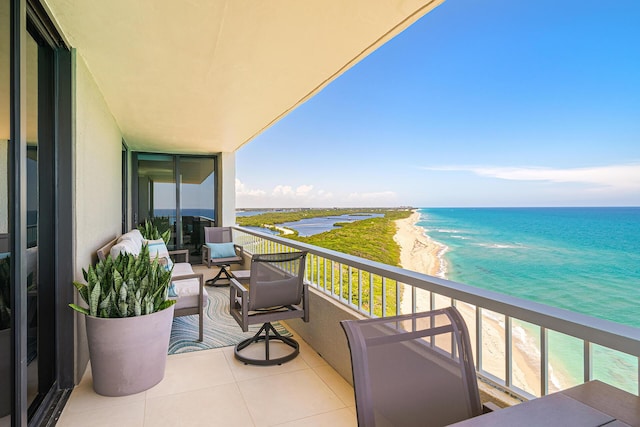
(624, 177)
(306, 195)
(304, 190)
(242, 190)
(282, 196)
(282, 190)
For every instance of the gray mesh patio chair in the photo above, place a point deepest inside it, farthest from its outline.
(276, 291)
(229, 253)
(405, 373)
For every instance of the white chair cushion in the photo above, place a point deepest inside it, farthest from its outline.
(135, 238)
(124, 246)
(187, 287)
(181, 268)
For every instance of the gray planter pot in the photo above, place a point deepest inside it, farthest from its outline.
(128, 355)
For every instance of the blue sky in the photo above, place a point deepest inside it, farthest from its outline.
(492, 103)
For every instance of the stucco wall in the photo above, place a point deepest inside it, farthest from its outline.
(98, 181)
(227, 189)
(324, 333)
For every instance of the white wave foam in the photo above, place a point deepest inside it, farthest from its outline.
(501, 246)
(442, 262)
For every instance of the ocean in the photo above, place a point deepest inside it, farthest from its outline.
(581, 259)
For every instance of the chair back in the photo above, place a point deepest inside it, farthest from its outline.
(276, 279)
(218, 235)
(412, 370)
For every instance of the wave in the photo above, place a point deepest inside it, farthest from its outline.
(501, 246)
(448, 230)
(442, 262)
(457, 236)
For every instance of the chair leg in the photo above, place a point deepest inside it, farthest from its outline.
(222, 274)
(267, 328)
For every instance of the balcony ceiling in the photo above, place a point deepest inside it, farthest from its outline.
(206, 76)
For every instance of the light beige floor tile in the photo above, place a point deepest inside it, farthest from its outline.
(203, 369)
(83, 398)
(310, 356)
(123, 415)
(307, 352)
(339, 418)
(337, 384)
(221, 405)
(286, 397)
(244, 372)
(192, 353)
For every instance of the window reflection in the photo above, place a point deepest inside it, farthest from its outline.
(6, 373)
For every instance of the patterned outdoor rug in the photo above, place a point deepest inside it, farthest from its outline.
(220, 329)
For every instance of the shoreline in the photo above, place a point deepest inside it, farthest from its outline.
(420, 253)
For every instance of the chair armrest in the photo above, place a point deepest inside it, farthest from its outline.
(239, 249)
(237, 289)
(184, 252)
(489, 407)
(238, 286)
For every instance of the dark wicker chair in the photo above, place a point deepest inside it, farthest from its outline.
(406, 374)
(276, 292)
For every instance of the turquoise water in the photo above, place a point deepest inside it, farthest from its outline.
(582, 259)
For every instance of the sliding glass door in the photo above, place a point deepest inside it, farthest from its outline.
(6, 371)
(196, 200)
(176, 192)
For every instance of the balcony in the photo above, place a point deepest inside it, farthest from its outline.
(314, 390)
(210, 387)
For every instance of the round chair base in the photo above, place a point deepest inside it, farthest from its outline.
(264, 340)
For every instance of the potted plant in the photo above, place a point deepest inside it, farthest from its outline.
(128, 322)
(149, 231)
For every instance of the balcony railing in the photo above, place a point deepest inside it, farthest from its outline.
(546, 342)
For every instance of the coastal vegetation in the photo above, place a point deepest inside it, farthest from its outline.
(370, 238)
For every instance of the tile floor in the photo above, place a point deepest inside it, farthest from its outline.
(211, 388)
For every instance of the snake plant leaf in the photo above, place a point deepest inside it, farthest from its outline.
(94, 299)
(166, 304)
(83, 290)
(79, 309)
(124, 308)
(123, 291)
(117, 281)
(166, 236)
(106, 302)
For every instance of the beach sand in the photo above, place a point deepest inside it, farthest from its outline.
(418, 252)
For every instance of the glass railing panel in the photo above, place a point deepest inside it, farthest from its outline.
(526, 357)
(566, 361)
(468, 313)
(493, 345)
(615, 367)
